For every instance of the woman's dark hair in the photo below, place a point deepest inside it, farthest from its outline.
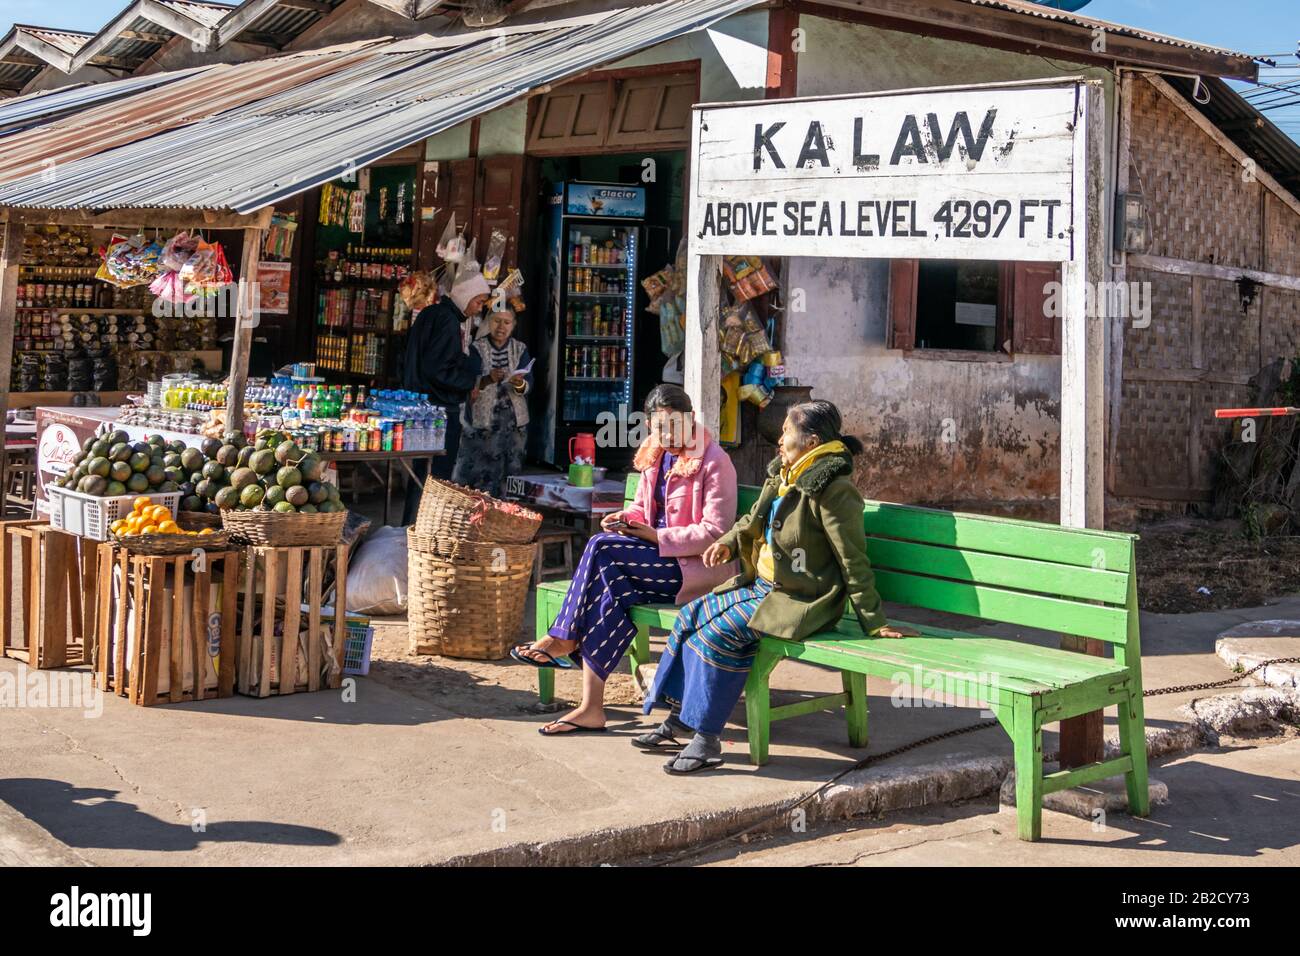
(666, 397)
(821, 420)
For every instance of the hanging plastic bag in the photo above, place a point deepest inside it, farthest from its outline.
(451, 247)
(170, 287)
(177, 252)
(495, 253)
(672, 326)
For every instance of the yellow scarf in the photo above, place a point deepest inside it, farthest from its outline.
(790, 475)
(766, 566)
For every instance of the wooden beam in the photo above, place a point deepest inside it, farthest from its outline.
(1216, 134)
(139, 218)
(703, 359)
(11, 256)
(46, 51)
(782, 59)
(245, 322)
(146, 37)
(1083, 379)
(20, 59)
(235, 23)
(105, 37)
(312, 6)
(1206, 270)
(179, 23)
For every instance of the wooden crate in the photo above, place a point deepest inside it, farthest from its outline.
(278, 582)
(166, 626)
(53, 580)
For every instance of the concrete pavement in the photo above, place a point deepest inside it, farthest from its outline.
(438, 761)
(1235, 806)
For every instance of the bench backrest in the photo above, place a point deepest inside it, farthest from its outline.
(1075, 581)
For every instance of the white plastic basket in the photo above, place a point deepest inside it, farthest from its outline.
(90, 517)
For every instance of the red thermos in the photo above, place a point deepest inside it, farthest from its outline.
(582, 445)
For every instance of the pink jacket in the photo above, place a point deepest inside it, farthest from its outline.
(700, 498)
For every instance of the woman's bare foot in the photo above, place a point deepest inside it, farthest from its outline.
(549, 645)
(592, 718)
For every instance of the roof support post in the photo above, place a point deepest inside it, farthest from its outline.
(246, 320)
(11, 255)
(703, 359)
(1083, 379)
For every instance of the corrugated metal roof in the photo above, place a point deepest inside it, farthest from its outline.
(308, 125)
(1119, 29)
(1277, 153)
(67, 41)
(25, 111)
(209, 14)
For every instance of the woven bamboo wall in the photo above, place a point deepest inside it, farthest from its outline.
(1201, 347)
(1201, 207)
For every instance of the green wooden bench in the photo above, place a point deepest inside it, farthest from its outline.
(1066, 580)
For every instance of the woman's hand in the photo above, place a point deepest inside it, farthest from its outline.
(616, 518)
(894, 632)
(716, 555)
(638, 530)
(497, 375)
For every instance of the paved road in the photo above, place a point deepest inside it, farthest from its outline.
(1230, 807)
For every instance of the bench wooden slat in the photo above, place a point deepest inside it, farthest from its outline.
(1025, 574)
(1098, 621)
(1105, 550)
(960, 656)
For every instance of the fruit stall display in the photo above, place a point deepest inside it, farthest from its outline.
(272, 473)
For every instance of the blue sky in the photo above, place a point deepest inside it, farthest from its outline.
(1252, 26)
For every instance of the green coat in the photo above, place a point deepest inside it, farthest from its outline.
(822, 515)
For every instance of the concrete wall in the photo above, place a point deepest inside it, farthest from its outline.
(975, 433)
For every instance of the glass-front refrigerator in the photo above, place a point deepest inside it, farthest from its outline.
(596, 235)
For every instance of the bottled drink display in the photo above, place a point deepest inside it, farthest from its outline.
(337, 419)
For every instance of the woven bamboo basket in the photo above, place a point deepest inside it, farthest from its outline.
(276, 530)
(197, 520)
(469, 602)
(171, 545)
(452, 511)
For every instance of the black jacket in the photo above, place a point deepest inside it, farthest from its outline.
(435, 364)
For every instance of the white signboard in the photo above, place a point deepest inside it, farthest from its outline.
(975, 173)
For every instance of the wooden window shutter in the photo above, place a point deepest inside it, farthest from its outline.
(903, 277)
(445, 187)
(572, 117)
(499, 200)
(654, 110)
(1032, 331)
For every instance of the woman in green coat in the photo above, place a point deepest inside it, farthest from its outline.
(803, 556)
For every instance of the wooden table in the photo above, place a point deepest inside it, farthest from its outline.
(371, 460)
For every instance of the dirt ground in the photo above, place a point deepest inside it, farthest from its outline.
(1178, 559)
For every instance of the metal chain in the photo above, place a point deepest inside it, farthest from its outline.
(935, 738)
(1211, 684)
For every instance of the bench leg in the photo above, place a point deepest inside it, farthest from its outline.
(758, 711)
(1133, 743)
(638, 652)
(855, 711)
(541, 624)
(1028, 743)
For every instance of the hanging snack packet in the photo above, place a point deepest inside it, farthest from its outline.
(495, 253)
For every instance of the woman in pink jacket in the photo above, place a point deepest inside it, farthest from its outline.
(648, 554)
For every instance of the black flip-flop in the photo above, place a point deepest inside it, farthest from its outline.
(702, 763)
(560, 663)
(662, 741)
(578, 729)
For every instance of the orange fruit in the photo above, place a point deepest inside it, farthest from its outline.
(149, 528)
(141, 502)
(160, 513)
(168, 527)
(208, 531)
